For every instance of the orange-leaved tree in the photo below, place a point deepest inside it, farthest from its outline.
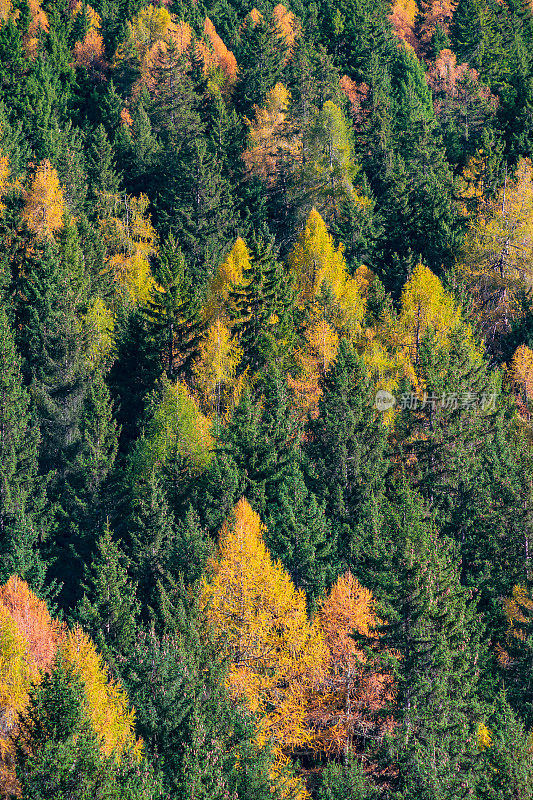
(272, 137)
(131, 241)
(225, 58)
(287, 26)
(312, 358)
(28, 643)
(342, 708)
(402, 17)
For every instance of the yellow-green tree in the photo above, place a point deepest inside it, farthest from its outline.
(215, 373)
(176, 427)
(100, 323)
(426, 304)
(329, 168)
(323, 278)
(230, 273)
(131, 241)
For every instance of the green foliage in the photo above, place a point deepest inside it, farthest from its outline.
(58, 754)
(109, 607)
(21, 498)
(342, 781)
(203, 745)
(207, 271)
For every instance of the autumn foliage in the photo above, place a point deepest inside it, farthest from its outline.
(271, 139)
(321, 270)
(45, 204)
(496, 259)
(344, 706)
(403, 16)
(225, 58)
(306, 681)
(30, 640)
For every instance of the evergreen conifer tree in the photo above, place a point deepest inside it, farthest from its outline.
(346, 451)
(59, 755)
(151, 534)
(260, 57)
(22, 517)
(109, 607)
(433, 632)
(299, 535)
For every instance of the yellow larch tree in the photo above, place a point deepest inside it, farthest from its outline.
(150, 25)
(424, 305)
(100, 323)
(271, 138)
(130, 241)
(323, 278)
(260, 620)
(215, 372)
(107, 703)
(254, 17)
(152, 36)
(496, 262)
(5, 173)
(386, 365)
(323, 343)
(7, 13)
(390, 348)
(522, 372)
(29, 643)
(230, 273)
(44, 203)
(17, 672)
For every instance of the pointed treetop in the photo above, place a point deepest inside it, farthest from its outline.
(229, 274)
(321, 269)
(45, 202)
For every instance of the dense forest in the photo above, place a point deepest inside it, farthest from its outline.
(266, 397)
